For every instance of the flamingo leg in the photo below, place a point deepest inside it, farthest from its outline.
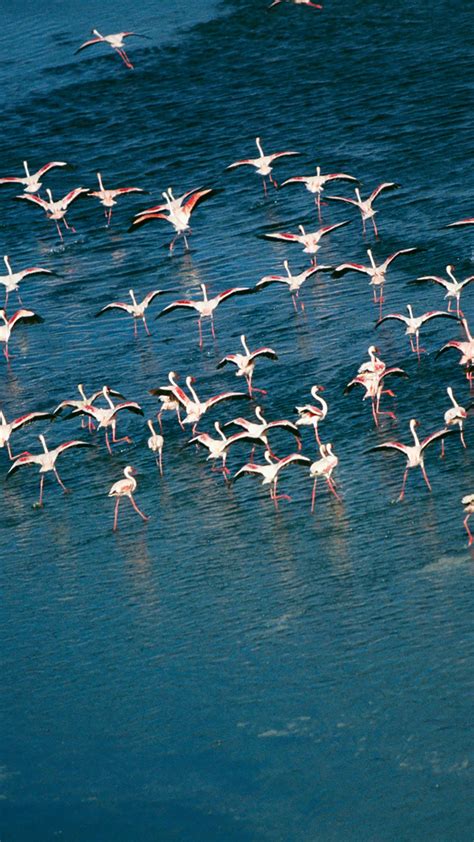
(461, 434)
(466, 526)
(375, 227)
(40, 502)
(316, 433)
(402, 492)
(425, 477)
(200, 332)
(318, 205)
(179, 419)
(160, 462)
(442, 449)
(158, 418)
(313, 495)
(212, 328)
(186, 244)
(295, 306)
(66, 490)
(138, 511)
(264, 186)
(116, 513)
(108, 442)
(135, 328)
(59, 230)
(363, 226)
(332, 489)
(374, 413)
(146, 327)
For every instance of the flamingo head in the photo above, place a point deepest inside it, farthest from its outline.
(129, 471)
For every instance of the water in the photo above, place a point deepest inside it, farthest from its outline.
(227, 672)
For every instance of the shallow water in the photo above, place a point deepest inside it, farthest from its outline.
(227, 671)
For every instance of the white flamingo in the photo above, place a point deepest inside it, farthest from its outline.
(79, 403)
(169, 403)
(136, 309)
(365, 205)
(262, 164)
(31, 181)
(324, 467)
(413, 324)
(115, 41)
(375, 272)
(125, 488)
(415, 453)
(373, 383)
(308, 239)
(204, 307)
(245, 363)
(108, 199)
(466, 349)
(310, 415)
(258, 430)
(12, 280)
(468, 503)
(46, 461)
(271, 470)
(293, 282)
(193, 406)
(8, 427)
(453, 287)
(155, 443)
(316, 183)
(175, 211)
(57, 210)
(107, 417)
(218, 448)
(455, 416)
(27, 316)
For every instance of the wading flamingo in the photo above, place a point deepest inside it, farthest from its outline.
(468, 503)
(315, 183)
(310, 415)
(169, 403)
(204, 307)
(262, 164)
(155, 443)
(293, 282)
(7, 428)
(125, 488)
(455, 416)
(6, 328)
(271, 470)
(57, 210)
(453, 287)
(466, 349)
(414, 323)
(175, 211)
(107, 417)
(32, 181)
(136, 309)
(12, 280)
(218, 447)
(365, 205)
(310, 240)
(80, 403)
(373, 383)
(193, 406)
(245, 363)
(107, 198)
(323, 468)
(375, 272)
(46, 461)
(258, 430)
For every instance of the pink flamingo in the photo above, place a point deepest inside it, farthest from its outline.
(125, 488)
(175, 211)
(315, 183)
(136, 309)
(271, 470)
(310, 240)
(7, 428)
(107, 198)
(262, 164)
(57, 210)
(293, 282)
(468, 503)
(32, 181)
(466, 349)
(205, 307)
(245, 363)
(414, 323)
(375, 272)
(365, 205)
(46, 461)
(323, 468)
(310, 415)
(27, 316)
(12, 280)
(115, 41)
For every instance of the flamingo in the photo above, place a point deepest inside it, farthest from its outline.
(107, 417)
(57, 210)
(465, 348)
(193, 406)
(375, 273)
(374, 364)
(262, 164)
(115, 41)
(245, 363)
(12, 280)
(365, 205)
(155, 443)
(175, 211)
(79, 403)
(31, 181)
(310, 240)
(107, 197)
(468, 503)
(7, 428)
(258, 430)
(169, 403)
(456, 415)
(293, 282)
(27, 316)
(310, 415)
(373, 383)
(46, 461)
(271, 470)
(125, 488)
(205, 307)
(323, 468)
(296, 3)
(414, 453)
(453, 287)
(218, 447)
(414, 323)
(315, 183)
(136, 309)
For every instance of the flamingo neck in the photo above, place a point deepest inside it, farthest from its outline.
(302, 229)
(259, 147)
(96, 32)
(449, 272)
(244, 344)
(99, 178)
(259, 414)
(80, 388)
(107, 397)
(358, 196)
(287, 267)
(204, 292)
(150, 424)
(189, 384)
(410, 310)
(371, 258)
(132, 296)
(43, 442)
(7, 264)
(25, 164)
(414, 433)
(318, 171)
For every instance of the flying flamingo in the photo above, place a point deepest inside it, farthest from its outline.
(57, 210)
(310, 415)
(315, 183)
(323, 468)
(310, 240)
(262, 164)
(7, 428)
(375, 273)
(414, 453)
(453, 287)
(27, 316)
(293, 282)
(107, 417)
(125, 488)
(271, 470)
(245, 363)
(296, 3)
(175, 211)
(136, 309)
(455, 416)
(155, 443)
(32, 181)
(218, 447)
(107, 197)
(414, 323)
(468, 503)
(193, 406)
(79, 403)
(115, 41)
(373, 383)
(258, 430)
(365, 205)
(169, 403)
(12, 280)
(466, 350)
(46, 461)
(205, 307)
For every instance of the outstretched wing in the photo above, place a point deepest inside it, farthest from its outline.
(176, 305)
(390, 445)
(25, 459)
(350, 267)
(144, 217)
(264, 352)
(49, 166)
(440, 434)
(225, 396)
(233, 291)
(191, 203)
(25, 316)
(387, 185)
(89, 44)
(396, 316)
(469, 221)
(73, 194)
(67, 444)
(396, 254)
(114, 305)
(292, 238)
(29, 197)
(29, 418)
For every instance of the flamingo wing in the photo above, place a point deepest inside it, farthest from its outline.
(120, 190)
(327, 228)
(272, 279)
(387, 185)
(293, 457)
(29, 197)
(114, 305)
(224, 396)
(437, 280)
(230, 358)
(341, 175)
(264, 352)
(12, 180)
(281, 155)
(171, 391)
(49, 166)
(396, 316)
(390, 445)
(469, 221)
(292, 238)
(151, 296)
(396, 254)
(435, 314)
(253, 162)
(26, 316)
(73, 443)
(440, 434)
(29, 418)
(233, 291)
(144, 217)
(25, 459)
(342, 199)
(73, 194)
(398, 372)
(295, 179)
(350, 267)
(132, 406)
(458, 346)
(249, 468)
(89, 44)
(184, 303)
(36, 270)
(191, 203)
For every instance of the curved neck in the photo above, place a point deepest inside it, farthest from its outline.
(7, 264)
(96, 32)
(107, 397)
(321, 400)
(259, 414)
(189, 384)
(413, 432)
(244, 344)
(150, 424)
(301, 228)
(259, 147)
(449, 272)
(80, 388)
(99, 178)
(43, 442)
(49, 195)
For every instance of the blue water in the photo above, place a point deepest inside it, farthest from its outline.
(228, 672)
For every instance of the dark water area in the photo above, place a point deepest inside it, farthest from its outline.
(227, 671)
